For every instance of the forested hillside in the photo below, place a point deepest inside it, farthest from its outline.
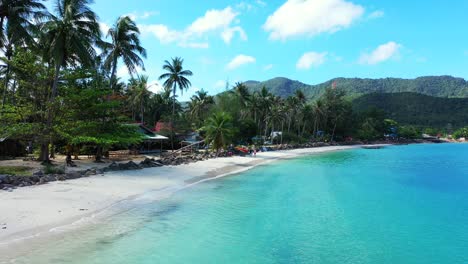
(417, 109)
(438, 86)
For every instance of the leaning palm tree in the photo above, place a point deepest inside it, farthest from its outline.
(219, 130)
(69, 37)
(125, 45)
(175, 77)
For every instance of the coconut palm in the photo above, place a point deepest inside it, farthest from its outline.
(125, 45)
(69, 37)
(18, 15)
(175, 77)
(139, 95)
(219, 130)
(16, 25)
(199, 105)
(71, 34)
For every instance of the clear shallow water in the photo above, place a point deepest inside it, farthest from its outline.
(405, 204)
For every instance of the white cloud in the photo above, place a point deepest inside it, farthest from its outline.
(309, 18)
(220, 84)
(240, 60)
(195, 45)
(244, 6)
(155, 87)
(261, 3)
(311, 59)
(213, 20)
(122, 72)
(144, 15)
(228, 34)
(267, 67)
(220, 22)
(104, 28)
(382, 53)
(161, 32)
(376, 14)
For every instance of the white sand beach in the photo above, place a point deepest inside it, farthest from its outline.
(40, 211)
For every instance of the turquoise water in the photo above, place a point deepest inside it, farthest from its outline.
(405, 204)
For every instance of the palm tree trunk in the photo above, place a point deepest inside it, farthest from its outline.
(98, 154)
(333, 133)
(44, 157)
(114, 70)
(173, 116)
(142, 113)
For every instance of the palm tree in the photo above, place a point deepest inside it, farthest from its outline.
(175, 77)
(219, 130)
(319, 115)
(125, 45)
(69, 37)
(17, 15)
(71, 34)
(199, 105)
(139, 95)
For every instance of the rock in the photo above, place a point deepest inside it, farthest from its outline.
(2, 177)
(38, 173)
(73, 175)
(99, 171)
(114, 166)
(90, 173)
(60, 177)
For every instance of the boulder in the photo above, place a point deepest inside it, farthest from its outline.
(90, 173)
(60, 177)
(38, 173)
(114, 166)
(73, 175)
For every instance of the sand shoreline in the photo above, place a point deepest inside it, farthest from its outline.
(38, 212)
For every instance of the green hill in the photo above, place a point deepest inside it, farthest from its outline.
(438, 86)
(417, 109)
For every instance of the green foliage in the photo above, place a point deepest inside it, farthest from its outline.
(52, 169)
(440, 86)
(416, 109)
(219, 130)
(462, 132)
(409, 132)
(15, 170)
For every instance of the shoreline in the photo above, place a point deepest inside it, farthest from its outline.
(32, 215)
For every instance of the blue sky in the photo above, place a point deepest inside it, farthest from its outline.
(308, 40)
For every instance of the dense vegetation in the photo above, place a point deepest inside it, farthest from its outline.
(439, 86)
(417, 109)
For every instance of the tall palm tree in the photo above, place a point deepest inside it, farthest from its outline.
(219, 130)
(139, 95)
(125, 45)
(16, 25)
(175, 77)
(69, 36)
(319, 115)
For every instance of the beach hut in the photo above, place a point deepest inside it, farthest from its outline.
(150, 141)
